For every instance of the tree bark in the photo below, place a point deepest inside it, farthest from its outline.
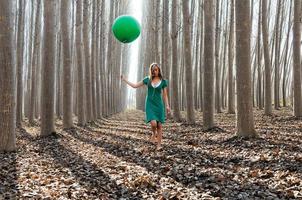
(7, 79)
(297, 60)
(245, 117)
(208, 86)
(67, 67)
(48, 75)
(267, 62)
(187, 46)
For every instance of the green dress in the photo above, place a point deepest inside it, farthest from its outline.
(154, 104)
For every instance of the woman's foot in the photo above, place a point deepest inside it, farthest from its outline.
(153, 139)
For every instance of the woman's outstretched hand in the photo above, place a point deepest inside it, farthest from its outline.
(168, 110)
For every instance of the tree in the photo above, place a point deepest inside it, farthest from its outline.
(48, 76)
(79, 49)
(67, 67)
(7, 79)
(174, 81)
(267, 63)
(245, 117)
(188, 62)
(231, 108)
(20, 46)
(297, 60)
(208, 86)
(36, 58)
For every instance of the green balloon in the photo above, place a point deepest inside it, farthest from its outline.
(126, 28)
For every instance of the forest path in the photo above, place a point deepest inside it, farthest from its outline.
(113, 158)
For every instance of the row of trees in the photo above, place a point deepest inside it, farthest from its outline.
(59, 60)
(232, 55)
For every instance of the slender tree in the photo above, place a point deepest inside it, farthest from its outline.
(20, 46)
(48, 76)
(245, 117)
(267, 62)
(67, 67)
(79, 48)
(297, 60)
(174, 81)
(7, 79)
(231, 108)
(188, 65)
(208, 86)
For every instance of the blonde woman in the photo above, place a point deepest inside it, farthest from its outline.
(155, 101)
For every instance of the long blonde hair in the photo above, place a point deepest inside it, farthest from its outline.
(151, 76)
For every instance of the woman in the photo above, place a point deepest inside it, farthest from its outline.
(154, 106)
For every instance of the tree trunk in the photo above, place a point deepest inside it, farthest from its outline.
(35, 63)
(20, 47)
(79, 49)
(268, 88)
(175, 65)
(87, 60)
(245, 117)
(7, 79)
(297, 60)
(187, 45)
(208, 85)
(231, 108)
(48, 75)
(67, 67)
(277, 50)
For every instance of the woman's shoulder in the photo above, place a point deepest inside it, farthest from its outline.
(146, 80)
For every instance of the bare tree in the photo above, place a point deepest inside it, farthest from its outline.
(208, 86)
(297, 60)
(20, 46)
(188, 65)
(174, 81)
(7, 79)
(268, 88)
(245, 117)
(231, 108)
(67, 67)
(48, 76)
(36, 58)
(79, 49)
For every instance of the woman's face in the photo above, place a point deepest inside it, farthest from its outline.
(155, 70)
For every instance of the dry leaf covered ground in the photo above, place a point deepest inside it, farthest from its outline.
(113, 159)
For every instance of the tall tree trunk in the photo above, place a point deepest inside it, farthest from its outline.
(79, 49)
(231, 108)
(48, 76)
(35, 63)
(286, 55)
(268, 87)
(93, 60)
(20, 47)
(187, 45)
(217, 48)
(259, 76)
(67, 67)
(7, 79)
(87, 65)
(175, 65)
(297, 60)
(277, 55)
(208, 86)
(245, 117)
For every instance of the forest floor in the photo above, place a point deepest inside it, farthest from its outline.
(113, 159)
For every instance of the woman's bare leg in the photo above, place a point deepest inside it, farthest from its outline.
(154, 129)
(159, 135)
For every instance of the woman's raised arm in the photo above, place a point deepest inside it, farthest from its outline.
(134, 85)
